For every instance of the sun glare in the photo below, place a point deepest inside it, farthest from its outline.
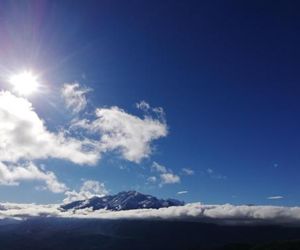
(24, 83)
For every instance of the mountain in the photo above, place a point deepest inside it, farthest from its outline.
(122, 201)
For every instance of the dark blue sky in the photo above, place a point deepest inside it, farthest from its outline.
(225, 72)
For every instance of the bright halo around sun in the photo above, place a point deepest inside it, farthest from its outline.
(24, 83)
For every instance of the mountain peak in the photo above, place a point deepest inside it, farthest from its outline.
(124, 200)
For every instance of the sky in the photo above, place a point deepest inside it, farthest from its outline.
(195, 100)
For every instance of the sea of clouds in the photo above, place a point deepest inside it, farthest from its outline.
(220, 214)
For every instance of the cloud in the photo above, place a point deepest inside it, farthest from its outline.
(14, 174)
(275, 197)
(157, 111)
(142, 105)
(74, 96)
(212, 174)
(166, 175)
(169, 178)
(159, 168)
(188, 171)
(152, 179)
(88, 190)
(127, 134)
(23, 135)
(182, 192)
(220, 214)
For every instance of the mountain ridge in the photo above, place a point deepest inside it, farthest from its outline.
(125, 200)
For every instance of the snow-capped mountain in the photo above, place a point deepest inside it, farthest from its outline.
(122, 201)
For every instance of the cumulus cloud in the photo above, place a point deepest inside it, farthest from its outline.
(169, 178)
(188, 171)
(127, 134)
(14, 174)
(23, 135)
(74, 96)
(278, 197)
(88, 190)
(166, 175)
(220, 214)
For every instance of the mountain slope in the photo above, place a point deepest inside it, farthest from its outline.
(122, 201)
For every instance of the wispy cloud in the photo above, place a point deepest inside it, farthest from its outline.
(148, 110)
(152, 179)
(278, 197)
(188, 171)
(212, 174)
(143, 105)
(166, 175)
(182, 192)
(74, 96)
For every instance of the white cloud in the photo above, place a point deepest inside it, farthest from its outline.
(157, 111)
(169, 178)
(182, 192)
(166, 175)
(220, 214)
(14, 174)
(130, 135)
(74, 96)
(188, 171)
(143, 105)
(275, 197)
(159, 168)
(88, 190)
(23, 135)
(152, 179)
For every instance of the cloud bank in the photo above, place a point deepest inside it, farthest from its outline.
(220, 214)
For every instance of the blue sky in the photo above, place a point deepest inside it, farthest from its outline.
(225, 74)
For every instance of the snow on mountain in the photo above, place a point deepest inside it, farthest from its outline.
(122, 201)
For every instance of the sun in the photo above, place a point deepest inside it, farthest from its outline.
(24, 83)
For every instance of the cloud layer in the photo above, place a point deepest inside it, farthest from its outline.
(221, 214)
